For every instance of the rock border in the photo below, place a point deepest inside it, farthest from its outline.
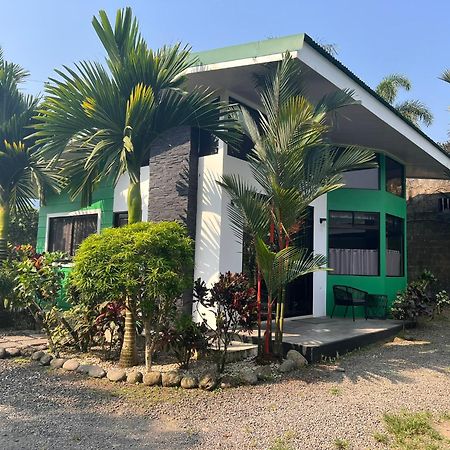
(208, 381)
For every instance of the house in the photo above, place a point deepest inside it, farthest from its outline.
(362, 227)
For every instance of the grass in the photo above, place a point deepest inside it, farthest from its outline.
(20, 360)
(284, 442)
(413, 431)
(335, 391)
(382, 438)
(341, 444)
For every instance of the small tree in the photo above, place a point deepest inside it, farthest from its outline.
(145, 265)
(233, 303)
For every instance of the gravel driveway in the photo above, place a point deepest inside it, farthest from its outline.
(43, 410)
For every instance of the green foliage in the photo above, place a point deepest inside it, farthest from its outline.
(418, 299)
(341, 444)
(23, 227)
(232, 302)
(186, 338)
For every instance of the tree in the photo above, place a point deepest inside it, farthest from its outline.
(103, 121)
(294, 163)
(23, 227)
(147, 265)
(414, 110)
(24, 175)
(446, 76)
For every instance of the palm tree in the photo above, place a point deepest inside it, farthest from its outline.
(446, 76)
(414, 110)
(23, 173)
(103, 121)
(294, 163)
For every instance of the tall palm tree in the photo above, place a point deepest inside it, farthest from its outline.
(23, 173)
(103, 121)
(293, 162)
(413, 110)
(446, 76)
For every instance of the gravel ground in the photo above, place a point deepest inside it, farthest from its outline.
(43, 410)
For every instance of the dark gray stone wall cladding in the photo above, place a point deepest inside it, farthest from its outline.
(173, 184)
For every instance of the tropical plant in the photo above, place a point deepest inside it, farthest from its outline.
(147, 265)
(293, 163)
(24, 174)
(419, 300)
(232, 303)
(186, 338)
(23, 227)
(414, 110)
(445, 76)
(104, 121)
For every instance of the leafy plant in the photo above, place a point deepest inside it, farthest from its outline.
(110, 326)
(232, 303)
(186, 338)
(418, 300)
(145, 266)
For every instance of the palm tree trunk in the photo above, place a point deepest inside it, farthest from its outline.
(4, 227)
(128, 354)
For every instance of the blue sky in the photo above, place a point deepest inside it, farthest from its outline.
(373, 37)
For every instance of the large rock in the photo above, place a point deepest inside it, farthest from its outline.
(12, 352)
(171, 379)
(189, 382)
(264, 373)
(57, 363)
(152, 378)
(96, 372)
(286, 366)
(46, 360)
(134, 377)
(116, 375)
(208, 381)
(71, 365)
(297, 357)
(36, 356)
(229, 381)
(84, 368)
(2, 353)
(248, 377)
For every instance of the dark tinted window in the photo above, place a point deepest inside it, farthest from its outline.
(120, 219)
(204, 142)
(67, 233)
(395, 177)
(354, 243)
(394, 246)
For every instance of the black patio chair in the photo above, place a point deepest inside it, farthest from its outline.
(349, 296)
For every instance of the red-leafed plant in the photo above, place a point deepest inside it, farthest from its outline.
(232, 303)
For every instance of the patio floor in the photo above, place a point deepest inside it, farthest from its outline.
(321, 336)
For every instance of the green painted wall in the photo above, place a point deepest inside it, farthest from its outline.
(366, 200)
(102, 199)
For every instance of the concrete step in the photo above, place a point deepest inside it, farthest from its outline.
(237, 351)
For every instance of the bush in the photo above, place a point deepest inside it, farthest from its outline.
(232, 302)
(149, 265)
(418, 300)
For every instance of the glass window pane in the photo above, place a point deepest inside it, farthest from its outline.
(362, 179)
(394, 177)
(394, 246)
(354, 243)
(120, 219)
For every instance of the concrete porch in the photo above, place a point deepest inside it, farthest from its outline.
(321, 336)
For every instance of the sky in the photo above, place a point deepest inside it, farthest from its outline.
(373, 37)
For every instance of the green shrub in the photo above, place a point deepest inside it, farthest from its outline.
(147, 264)
(418, 299)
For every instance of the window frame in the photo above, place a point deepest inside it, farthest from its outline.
(378, 214)
(61, 215)
(403, 245)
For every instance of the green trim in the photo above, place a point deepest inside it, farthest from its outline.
(382, 202)
(250, 50)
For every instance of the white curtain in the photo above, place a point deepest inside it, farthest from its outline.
(353, 261)
(393, 263)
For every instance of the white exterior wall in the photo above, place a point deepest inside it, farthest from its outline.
(121, 192)
(217, 248)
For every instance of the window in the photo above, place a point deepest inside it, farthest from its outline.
(394, 246)
(354, 243)
(246, 144)
(120, 219)
(204, 142)
(394, 177)
(363, 179)
(444, 204)
(65, 234)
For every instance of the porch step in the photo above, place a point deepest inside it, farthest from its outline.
(237, 351)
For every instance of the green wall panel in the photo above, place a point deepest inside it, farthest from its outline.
(366, 200)
(103, 199)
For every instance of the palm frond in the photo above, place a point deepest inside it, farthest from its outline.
(416, 112)
(389, 86)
